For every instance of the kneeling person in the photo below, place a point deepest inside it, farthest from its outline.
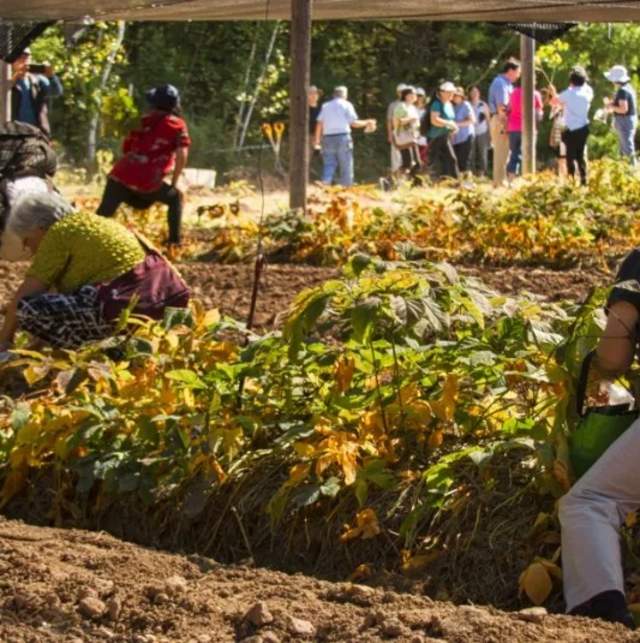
(86, 269)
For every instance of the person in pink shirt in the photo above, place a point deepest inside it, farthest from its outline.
(514, 128)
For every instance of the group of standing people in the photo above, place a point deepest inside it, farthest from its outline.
(570, 112)
(454, 132)
(449, 133)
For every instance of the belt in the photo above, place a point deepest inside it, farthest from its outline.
(338, 134)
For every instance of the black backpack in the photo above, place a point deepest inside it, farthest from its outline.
(25, 151)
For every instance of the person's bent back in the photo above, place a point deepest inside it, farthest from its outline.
(86, 269)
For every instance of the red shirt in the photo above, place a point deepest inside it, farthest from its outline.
(150, 152)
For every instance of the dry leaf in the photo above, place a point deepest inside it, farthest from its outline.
(345, 367)
(435, 439)
(536, 583)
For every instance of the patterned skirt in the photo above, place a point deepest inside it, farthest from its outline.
(64, 321)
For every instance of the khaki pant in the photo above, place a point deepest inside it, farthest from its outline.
(500, 143)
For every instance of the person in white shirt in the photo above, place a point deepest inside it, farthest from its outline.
(333, 132)
(575, 102)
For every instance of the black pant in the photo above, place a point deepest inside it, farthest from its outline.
(463, 154)
(116, 193)
(576, 142)
(442, 157)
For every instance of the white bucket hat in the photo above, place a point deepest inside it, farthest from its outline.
(617, 74)
(401, 87)
(447, 87)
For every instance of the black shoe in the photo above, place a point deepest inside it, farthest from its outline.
(609, 606)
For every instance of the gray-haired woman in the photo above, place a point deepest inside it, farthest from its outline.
(85, 269)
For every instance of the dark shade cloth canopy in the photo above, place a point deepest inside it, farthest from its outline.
(468, 10)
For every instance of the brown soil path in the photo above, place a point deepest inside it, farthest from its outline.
(77, 586)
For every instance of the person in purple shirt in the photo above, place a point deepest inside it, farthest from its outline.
(463, 138)
(499, 96)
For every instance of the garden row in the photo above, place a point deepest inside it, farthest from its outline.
(543, 222)
(406, 419)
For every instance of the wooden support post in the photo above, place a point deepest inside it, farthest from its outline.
(300, 52)
(527, 56)
(5, 92)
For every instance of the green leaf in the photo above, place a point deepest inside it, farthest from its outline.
(363, 318)
(189, 378)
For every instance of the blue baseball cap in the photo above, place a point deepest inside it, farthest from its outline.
(164, 97)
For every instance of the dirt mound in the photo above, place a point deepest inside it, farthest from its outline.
(555, 285)
(70, 585)
(228, 287)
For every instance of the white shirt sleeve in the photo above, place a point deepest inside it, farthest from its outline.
(351, 113)
(321, 115)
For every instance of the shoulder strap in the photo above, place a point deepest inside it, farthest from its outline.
(581, 390)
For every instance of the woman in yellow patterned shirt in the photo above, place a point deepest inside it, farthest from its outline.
(80, 261)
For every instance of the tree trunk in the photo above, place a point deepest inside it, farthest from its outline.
(92, 138)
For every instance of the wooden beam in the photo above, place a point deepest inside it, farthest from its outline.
(527, 56)
(300, 52)
(5, 92)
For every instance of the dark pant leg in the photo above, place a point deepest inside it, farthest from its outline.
(435, 152)
(576, 142)
(442, 155)
(463, 153)
(581, 153)
(515, 152)
(172, 197)
(114, 194)
(450, 160)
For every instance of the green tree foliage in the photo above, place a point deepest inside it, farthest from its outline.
(80, 68)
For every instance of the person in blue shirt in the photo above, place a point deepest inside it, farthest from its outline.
(463, 138)
(442, 119)
(30, 93)
(499, 97)
(333, 133)
(624, 109)
(575, 102)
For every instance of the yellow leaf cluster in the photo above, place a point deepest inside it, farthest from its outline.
(366, 526)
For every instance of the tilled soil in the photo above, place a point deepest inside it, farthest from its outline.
(77, 586)
(228, 287)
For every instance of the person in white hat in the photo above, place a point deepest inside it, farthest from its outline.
(624, 108)
(396, 157)
(442, 119)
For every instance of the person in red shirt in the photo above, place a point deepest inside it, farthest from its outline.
(155, 151)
